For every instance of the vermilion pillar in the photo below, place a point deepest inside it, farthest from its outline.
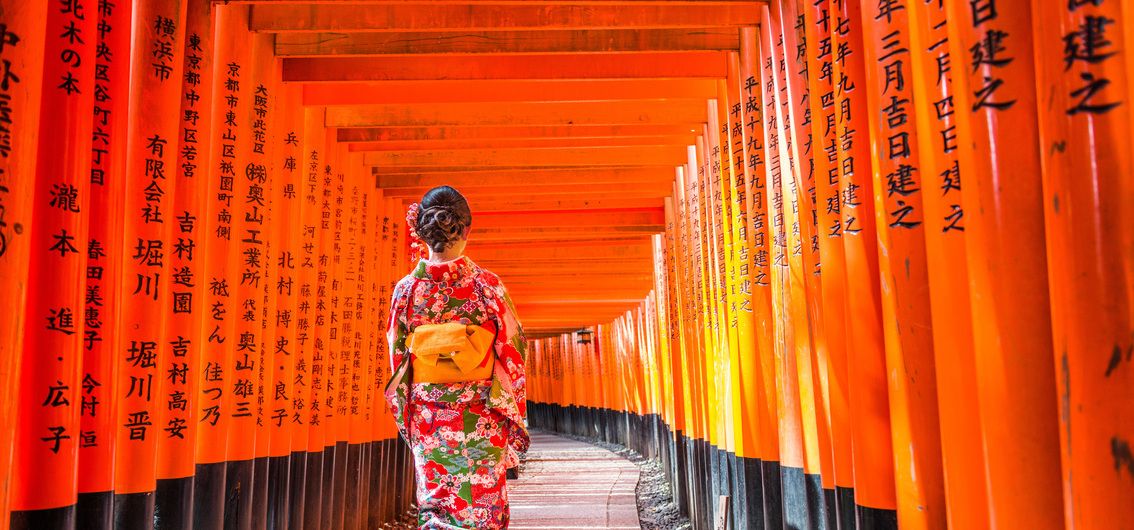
(104, 291)
(265, 114)
(186, 333)
(962, 455)
(318, 464)
(828, 237)
(777, 145)
(869, 401)
(215, 377)
(283, 351)
(1084, 128)
(246, 280)
(994, 94)
(21, 90)
(310, 192)
(900, 220)
(755, 142)
(142, 362)
(47, 432)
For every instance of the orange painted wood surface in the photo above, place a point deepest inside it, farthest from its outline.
(1007, 264)
(1084, 126)
(696, 64)
(435, 17)
(869, 398)
(47, 429)
(25, 56)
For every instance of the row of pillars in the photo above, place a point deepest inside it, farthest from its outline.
(194, 277)
(897, 274)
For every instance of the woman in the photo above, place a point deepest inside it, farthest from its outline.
(463, 435)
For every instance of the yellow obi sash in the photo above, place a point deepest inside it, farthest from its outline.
(451, 353)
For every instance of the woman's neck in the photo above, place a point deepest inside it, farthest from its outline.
(449, 254)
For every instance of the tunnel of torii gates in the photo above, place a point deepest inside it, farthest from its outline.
(736, 234)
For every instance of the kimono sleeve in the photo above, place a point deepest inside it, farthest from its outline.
(396, 330)
(512, 348)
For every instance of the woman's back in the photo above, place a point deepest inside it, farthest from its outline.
(464, 435)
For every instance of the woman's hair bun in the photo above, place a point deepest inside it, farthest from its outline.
(443, 218)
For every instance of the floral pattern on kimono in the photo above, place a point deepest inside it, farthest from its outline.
(463, 435)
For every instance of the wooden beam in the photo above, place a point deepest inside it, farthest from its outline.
(556, 113)
(482, 17)
(579, 280)
(582, 219)
(561, 191)
(508, 178)
(485, 254)
(500, 90)
(572, 233)
(446, 145)
(488, 204)
(661, 155)
(697, 64)
(384, 134)
(540, 41)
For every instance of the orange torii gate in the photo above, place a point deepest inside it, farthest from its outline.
(853, 264)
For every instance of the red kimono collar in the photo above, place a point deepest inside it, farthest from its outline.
(445, 271)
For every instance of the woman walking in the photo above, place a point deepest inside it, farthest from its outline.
(457, 384)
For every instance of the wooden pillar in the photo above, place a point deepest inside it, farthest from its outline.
(249, 237)
(20, 91)
(900, 221)
(934, 106)
(757, 190)
(1084, 129)
(305, 463)
(103, 300)
(228, 152)
(995, 101)
(176, 453)
(872, 449)
(787, 330)
(266, 112)
(282, 416)
(155, 88)
(318, 240)
(828, 237)
(44, 234)
(810, 343)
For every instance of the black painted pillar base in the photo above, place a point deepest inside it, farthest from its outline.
(796, 512)
(352, 502)
(95, 511)
(173, 504)
(297, 493)
(39, 519)
(259, 493)
(753, 493)
(278, 496)
(844, 508)
(327, 515)
(238, 486)
(313, 492)
(134, 511)
(208, 496)
(817, 503)
(773, 496)
(875, 519)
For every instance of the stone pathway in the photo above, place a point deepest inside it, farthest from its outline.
(569, 485)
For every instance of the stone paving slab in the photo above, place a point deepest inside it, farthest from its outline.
(568, 485)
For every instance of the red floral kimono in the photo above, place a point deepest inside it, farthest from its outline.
(464, 435)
